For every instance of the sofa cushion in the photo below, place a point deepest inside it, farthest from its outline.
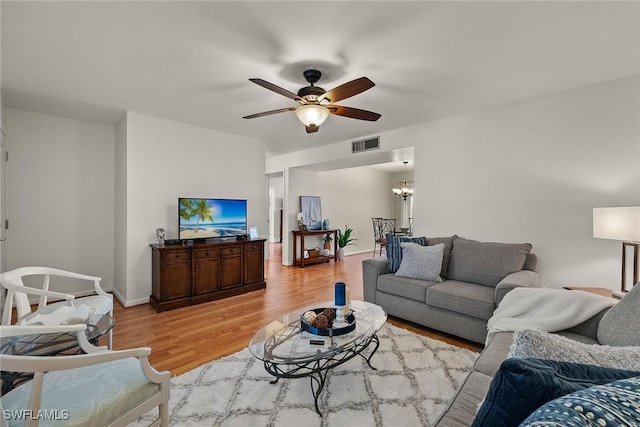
(421, 262)
(403, 287)
(462, 297)
(523, 385)
(448, 245)
(613, 404)
(485, 263)
(544, 345)
(394, 251)
(620, 325)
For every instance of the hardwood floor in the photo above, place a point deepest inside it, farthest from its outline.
(188, 337)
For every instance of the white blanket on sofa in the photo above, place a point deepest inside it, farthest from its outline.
(545, 309)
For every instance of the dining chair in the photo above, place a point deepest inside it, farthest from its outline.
(100, 388)
(382, 227)
(69, 310)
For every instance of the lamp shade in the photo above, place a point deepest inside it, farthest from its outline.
(617, 223)
(312, 115)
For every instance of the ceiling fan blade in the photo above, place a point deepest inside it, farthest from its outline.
(353, 113)
(268, 113)
(277, 89)
(312, 129)
(347, 90)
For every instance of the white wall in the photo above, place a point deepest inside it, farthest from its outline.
(532, 172)
(529, 171)
(297, 182)
(351, 197)
(166, 160)
(120, 211)
(60, 194)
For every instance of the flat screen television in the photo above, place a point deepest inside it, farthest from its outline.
(211, 218)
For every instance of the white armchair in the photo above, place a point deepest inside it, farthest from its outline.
(100, 388)
(17, 293)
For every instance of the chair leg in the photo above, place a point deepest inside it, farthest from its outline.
(164, 414)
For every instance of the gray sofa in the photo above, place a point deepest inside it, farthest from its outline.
(476, 276)
(615, 327)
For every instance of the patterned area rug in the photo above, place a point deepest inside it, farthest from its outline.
(415, 378)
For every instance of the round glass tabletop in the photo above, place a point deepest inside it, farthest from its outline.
(283, 341)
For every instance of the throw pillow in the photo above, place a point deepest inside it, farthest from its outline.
(394, 251)
(621, 323)
(485, 263)
(523, 385)
(545, 345)
(448, 245)
(614, 404)
(421, 262)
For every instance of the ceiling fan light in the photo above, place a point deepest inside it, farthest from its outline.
(312, 115)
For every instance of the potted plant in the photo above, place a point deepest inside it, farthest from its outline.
(327, 241)
(344, 239)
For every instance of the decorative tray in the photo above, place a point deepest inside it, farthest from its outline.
(307, 324)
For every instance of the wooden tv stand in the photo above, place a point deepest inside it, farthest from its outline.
(188, 275)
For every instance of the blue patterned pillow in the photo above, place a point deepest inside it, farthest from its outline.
(613, 404)
(394, 251)
(523, 385)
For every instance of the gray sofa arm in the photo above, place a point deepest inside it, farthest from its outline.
(371, 269)
(519, 279)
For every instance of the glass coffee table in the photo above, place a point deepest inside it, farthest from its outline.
(288, 351)
(49, 345)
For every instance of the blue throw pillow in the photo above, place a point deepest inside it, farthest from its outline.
(613, 404)
(523, 385)
(394, 251)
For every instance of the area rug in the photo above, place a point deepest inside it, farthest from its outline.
(415, 378)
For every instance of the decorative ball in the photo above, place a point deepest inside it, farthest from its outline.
(321, 321)
(309, 317)
(325, 252)
(330, 313)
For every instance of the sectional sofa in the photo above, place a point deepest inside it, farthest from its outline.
(609, 338)
(467, 282)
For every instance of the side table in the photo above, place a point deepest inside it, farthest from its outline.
(301, 260)
(47, 345)
(605, 292)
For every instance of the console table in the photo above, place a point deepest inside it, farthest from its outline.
(302, 261)
(187, 275)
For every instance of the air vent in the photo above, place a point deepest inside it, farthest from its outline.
(365, 145)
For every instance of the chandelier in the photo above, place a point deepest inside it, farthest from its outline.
(405, 189)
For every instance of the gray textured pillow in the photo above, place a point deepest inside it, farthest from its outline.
(421, 262)
(544, 345)
(621, 324)
(485, 263)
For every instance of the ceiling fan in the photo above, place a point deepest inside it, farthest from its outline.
(316, 104)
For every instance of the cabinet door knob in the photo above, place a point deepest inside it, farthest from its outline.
(177, 256)
(207, 253)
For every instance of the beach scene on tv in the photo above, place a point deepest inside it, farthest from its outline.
(212, 218)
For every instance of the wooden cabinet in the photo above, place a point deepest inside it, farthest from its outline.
(231, 267)
(186, 275)
(254, 263)
(207, 271)
(171, 277)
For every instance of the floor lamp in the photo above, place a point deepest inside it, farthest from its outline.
(621, 224)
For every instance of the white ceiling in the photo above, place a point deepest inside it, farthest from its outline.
(190, 61)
